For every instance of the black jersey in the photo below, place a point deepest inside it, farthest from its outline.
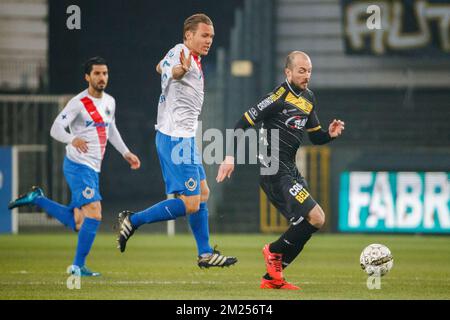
(292, 112)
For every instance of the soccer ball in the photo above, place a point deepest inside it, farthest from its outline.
(376, 259)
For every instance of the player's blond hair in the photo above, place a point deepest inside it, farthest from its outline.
(191, 23)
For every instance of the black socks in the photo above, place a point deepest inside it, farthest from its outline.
(291, 243)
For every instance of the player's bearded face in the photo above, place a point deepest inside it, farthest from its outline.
(300, 74)
(201, 40)
(98, 78)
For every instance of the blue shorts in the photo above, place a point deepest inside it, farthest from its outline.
(83, 183)
(180, 164)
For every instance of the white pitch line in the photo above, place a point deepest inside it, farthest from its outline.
(157, 282)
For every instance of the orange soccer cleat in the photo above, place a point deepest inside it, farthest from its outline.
(277, 284)
(273, 263)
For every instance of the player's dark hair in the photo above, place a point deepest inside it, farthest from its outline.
(93, 61)
(191, 23)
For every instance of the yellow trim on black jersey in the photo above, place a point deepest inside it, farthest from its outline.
(275, 96)
(301, 103)
(249, 119)
(314, 129)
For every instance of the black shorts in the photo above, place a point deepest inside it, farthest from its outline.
(289, 193)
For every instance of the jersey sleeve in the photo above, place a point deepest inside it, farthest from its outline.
(253, 115)
(116, 139)
(313, 123)
(63, 121)
(315, 132)
(262, 109)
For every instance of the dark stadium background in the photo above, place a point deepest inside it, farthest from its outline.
(385, 181)
(133, 37)
(395, 104)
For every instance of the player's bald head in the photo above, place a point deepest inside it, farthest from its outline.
(295, 56)
(298, 69)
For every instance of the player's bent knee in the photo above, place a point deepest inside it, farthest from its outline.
(192, 203)
(204, 191)
(93, 210)
(78, 225)
(205, 195)
(192, 208)
(96, 216)
(78, 217)
(316, 217)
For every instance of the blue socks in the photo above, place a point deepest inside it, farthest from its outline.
(62, 213)
(65, 215)
(172, 209)
(86, 237)
(165, 210)
(199, 226)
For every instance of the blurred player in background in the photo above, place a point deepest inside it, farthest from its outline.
(179, 106)
(291, 109)
(90, 118)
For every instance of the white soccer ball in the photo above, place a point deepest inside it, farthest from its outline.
(376, 259)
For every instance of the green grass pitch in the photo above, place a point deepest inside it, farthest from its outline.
(32, 266)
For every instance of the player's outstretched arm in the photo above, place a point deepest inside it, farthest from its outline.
(251, 117)
(225, 169)
(227, 166)
(319, 136)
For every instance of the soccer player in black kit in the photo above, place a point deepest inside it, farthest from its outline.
(291, 109)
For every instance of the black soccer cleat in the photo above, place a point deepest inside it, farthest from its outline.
(216, 259)
(125, 228)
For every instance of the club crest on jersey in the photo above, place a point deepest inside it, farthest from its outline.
(88, 193)
(191, 184)
(296, 122)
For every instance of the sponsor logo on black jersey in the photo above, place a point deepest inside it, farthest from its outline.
(296, 122)
(299, 192)
(271, 99)
(265, 103)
